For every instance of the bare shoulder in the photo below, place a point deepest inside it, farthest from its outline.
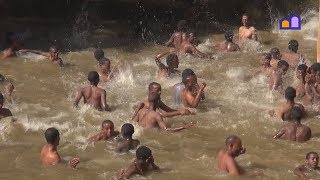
(252, 28)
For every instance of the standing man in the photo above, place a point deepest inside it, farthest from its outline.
(246, 31)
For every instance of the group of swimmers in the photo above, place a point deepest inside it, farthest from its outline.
(188, 93)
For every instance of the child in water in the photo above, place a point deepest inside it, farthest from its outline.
(311, 166)
(107, 132)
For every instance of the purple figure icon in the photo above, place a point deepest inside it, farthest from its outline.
(295, 22)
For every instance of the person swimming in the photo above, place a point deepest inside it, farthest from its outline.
(227, 45)
(107, 132)
(93, 95)
(171, 68)
(311, 166)
(127, 143)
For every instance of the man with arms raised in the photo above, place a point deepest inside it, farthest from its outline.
(49, 152)
(247, 32)
(92, 94)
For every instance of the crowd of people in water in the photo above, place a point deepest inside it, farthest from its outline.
(187, 94)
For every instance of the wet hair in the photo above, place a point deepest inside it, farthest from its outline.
(127, 130)
(315, 67)
(303, 68)
(51, 135)
(93, 77)
(245, 14)
(274, 52)
(310, 153)
(231, 139)
(296, 114)
(153, 84)
(228, 35)
(98, 54)
(143, 153)
(187, 73)
(290, 93)
(107, 122)
(1, 96)
(293, 45)
(153, 97)
(282, 63)
(267, 56)
(171, 58)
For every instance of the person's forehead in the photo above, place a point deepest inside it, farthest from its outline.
(313, 156)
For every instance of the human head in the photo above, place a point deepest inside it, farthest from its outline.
(154, 98)
(275, 53)
(283, 66)
(301, 71)
(314, 69)
(54, 51)
(52, 136)
(1, 100)
(234, 145)
(98, 54)
(127, 130)
(290, 93)
(107, 125)
(293, 45)
(172, 61)
(181, 26)
(154, 87)
(296, 114)
(93, 78)
(228, 35)
(265, 60)
(184, 37)
(245, 18)
(144, 154)
(312, 159)
(104, 63)
(189, 78)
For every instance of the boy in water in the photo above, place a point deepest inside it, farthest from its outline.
(104, 70)
(93, 95)
(176, 38)
(163, 109)
(265, 68)
(275, 57)
(294, 130)
(171, 68)
(153, 119)
(227, 45)
(143, 164)
(283, 112)
(292, 57)
(312, 162)
(49, 152)
(301, 76)
(52, 55)
(6, 85)
(127, 143)
(276, 83)
(4, 112)
(246, 31)
(107, 132)
(310, 92)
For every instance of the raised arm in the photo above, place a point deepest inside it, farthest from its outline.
(164, 127)
(279, 134)
(104, 104)
(299, 171)
(35, 52)
(194, 101)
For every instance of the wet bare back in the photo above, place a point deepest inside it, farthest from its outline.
(94, 96)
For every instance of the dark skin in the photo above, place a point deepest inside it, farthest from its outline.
(310, 165)
(166, 71)
(165, 110)
(153, 119)
(138, 166)
(226, 46)
(107, 132)
(52, 55)
(175, 40)
(189, 98)
(276, 83)
(294, 131)
(50, 155)
(4, 112)
(265, 68)
(301, 76)
(126, 144)
(94, 96)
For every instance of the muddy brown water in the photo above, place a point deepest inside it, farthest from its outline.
(234, 104)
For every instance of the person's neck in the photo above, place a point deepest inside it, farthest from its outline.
(52, 146)
(93, 85)
(290, 102)
(152, 107)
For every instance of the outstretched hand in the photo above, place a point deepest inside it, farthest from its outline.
(74, 162)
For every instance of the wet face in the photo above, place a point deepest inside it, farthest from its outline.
(174, 64)
(236, 148)
(54, 52)
(245, 20)
(313, 160)
(191, 81)
(300, 74)
(155, 89)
